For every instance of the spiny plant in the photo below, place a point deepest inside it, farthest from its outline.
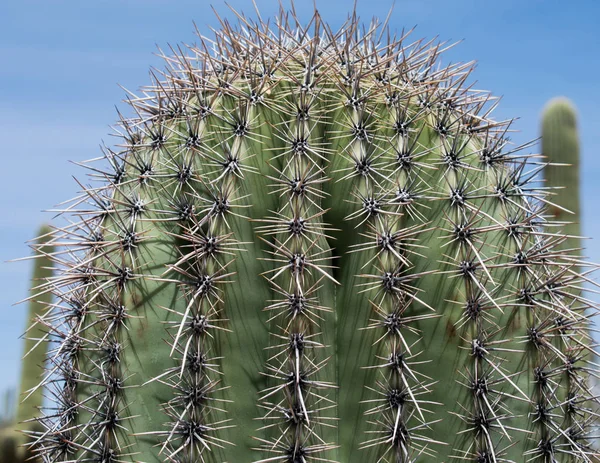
(8, 449)
(7, 420)
(7, 410)
(14, 433)
(560, 146)
(31, 396)
(313, 245)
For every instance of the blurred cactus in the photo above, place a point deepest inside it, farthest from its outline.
(8, 449)
(401, 303)
(8, 445)
(34, 357)
(15, 436)
(560, 146)
(7, 412)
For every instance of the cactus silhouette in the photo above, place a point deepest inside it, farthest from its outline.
(14, 435)
(311, 246)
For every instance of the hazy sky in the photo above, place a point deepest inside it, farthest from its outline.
(61, 61)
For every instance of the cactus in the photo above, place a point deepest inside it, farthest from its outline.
(7, 435)
(15, 444)
(8, 450)
(31, 396)
(7, 410)
(314, 246)
(560, 146)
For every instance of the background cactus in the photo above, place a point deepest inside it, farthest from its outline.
(15, 432)
(325, 230)
(560, 145)
(8, 448)
(8, 408)
(7, 424)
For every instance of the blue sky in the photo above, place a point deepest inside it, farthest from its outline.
(61, 62)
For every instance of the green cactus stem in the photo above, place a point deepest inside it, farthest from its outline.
(16, 443)
(560, 146)
(34, 357)
(8, 450)
(314, 246)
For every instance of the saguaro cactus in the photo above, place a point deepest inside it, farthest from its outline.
(326, 231)
(34, 356)
(8, 448)
(560, 145)
(14, 435)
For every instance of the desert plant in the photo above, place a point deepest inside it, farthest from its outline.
(7, 410)
(325, 230)
(8, 449)
(7, 424)
(14, 446)
(560, 146)
(32, 367)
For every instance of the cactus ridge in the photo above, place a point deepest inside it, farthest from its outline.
(314, 246)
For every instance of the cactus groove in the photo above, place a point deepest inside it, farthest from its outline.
(315, 246)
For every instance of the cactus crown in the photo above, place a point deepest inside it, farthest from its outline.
(324, 230)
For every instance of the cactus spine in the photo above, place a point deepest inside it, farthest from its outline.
(15, 436)
(324, 230)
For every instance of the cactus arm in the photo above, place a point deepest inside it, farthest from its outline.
(16, 438)
(8, 449)
(34, 350)
(560, 146)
